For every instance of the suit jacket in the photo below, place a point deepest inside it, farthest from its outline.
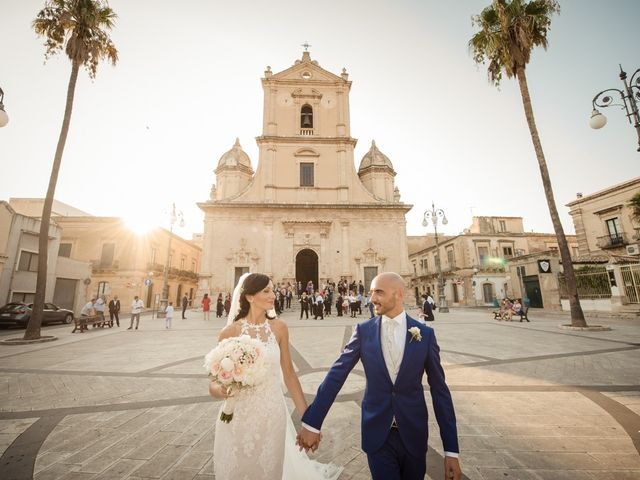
(384, 400)
(114, 306)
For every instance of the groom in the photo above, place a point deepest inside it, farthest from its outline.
(395, 351)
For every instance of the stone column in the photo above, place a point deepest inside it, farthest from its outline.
(340, 127)
(404, 250)
(270, 107)
(268, 246)
(345, 249)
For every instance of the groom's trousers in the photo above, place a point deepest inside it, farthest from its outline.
(393, 462)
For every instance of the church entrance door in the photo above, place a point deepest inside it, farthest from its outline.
(307, 267)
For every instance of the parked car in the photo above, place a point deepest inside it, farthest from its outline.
(19, 313)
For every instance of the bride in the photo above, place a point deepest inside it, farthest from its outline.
(259, 443)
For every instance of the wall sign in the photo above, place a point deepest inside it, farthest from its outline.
(544, 266)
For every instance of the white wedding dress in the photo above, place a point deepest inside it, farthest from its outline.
(259, 442)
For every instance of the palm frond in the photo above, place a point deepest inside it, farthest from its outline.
(80, 28)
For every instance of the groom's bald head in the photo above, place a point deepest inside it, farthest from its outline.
(387, 294)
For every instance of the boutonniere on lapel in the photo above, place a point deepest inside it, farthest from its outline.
(415, 334)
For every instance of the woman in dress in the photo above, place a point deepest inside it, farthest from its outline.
(259, 442)
(206, 306)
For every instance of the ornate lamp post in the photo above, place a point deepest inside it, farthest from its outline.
(432, 216)
(174, 217)
(630, 95)
(4, 118)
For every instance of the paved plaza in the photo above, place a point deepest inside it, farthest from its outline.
(533, 401)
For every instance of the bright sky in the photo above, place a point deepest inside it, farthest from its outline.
(150, 131)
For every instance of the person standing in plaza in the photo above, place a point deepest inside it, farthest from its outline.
(206, 305)
(114, 309)
(396, 351)
(185, 304)
(219, 306)
(136, 309)
(427, 311)
(168, 315)
(227, 304)
(304, 305)
(318, 307)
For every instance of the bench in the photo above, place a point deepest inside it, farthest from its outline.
(82, 323)
(522, 315)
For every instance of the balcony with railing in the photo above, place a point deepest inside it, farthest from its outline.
(100, 266)
(613, 240)
(306, 132)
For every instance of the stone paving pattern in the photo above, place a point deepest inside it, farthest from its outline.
(533, 401)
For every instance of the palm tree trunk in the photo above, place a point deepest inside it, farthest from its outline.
(577, 315)
(33, 328)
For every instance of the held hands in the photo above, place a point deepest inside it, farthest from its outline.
(452, 469)
(308, 440)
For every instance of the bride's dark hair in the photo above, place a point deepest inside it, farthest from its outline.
(254, 283)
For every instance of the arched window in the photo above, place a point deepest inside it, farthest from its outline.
(306, 116)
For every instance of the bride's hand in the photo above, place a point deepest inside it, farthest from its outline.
(218, 391)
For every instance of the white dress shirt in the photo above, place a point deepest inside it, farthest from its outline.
(399, 339)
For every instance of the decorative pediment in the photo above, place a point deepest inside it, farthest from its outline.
(242, 255)
(371, 255)
(306, 152)
(305, 70)
(306, 94)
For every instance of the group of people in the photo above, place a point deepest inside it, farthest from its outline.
(222, 306)
(98, 305)
(395, 350)
(508, 309)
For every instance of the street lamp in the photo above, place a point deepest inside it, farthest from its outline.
(432, 216)
(174, 217)
(4, 118)
(630, 95)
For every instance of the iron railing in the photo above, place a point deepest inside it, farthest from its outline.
(592, 284)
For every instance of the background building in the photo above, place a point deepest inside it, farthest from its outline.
(475, 263)
(121, 262)
(305, 213)
(604, 223)
(67, 278)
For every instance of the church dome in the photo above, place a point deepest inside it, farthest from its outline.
(236, 157)
(374, 158)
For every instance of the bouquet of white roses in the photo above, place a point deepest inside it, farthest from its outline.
(236, 363)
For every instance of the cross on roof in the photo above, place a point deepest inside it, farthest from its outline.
(306, 46)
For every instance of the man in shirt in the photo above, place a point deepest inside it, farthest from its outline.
(136, 308)
(168, 315)
(396, 351)
(87, 310)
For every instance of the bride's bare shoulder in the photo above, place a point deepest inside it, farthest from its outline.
(229, 331)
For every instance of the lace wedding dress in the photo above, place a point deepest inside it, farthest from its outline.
(259, 442)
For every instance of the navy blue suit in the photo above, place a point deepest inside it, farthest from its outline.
(384, 400)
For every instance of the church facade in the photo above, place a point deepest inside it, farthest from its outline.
(305, 213)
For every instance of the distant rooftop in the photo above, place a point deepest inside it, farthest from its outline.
(32, 207)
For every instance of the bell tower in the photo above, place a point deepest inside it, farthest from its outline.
(306, 148)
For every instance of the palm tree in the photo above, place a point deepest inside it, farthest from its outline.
(509, 30)
(78, 26)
